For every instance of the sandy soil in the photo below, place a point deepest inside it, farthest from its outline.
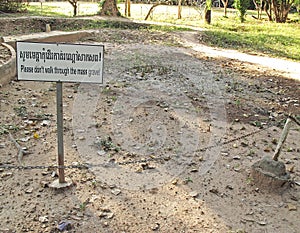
(169, 139)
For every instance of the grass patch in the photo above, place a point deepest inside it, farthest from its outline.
(258, 37)
(47, 10)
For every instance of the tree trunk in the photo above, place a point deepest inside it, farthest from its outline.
(74, 5)
(179, 9)
(109, 8)
(75, 10)
(225, 5)
(207, 16)
(268, 9)
(127, 8)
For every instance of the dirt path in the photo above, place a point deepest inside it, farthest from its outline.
(292, 69)
(165, 141)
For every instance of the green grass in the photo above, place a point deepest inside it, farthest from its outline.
(48, 10)
(258, 37)
(61, 9)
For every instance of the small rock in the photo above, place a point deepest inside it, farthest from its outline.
(101, 152)
(224, 153)
(74, 217)
(105, 224)
(29, 190)
(2, 145)
(236, 169)
(6, 174)
(291, 168)
(80, 215)
(292, 207)
(229, 187)
(106, 213)
(45, 123)
(110, 215)
(43, 219)
(214, 191)
(244, 144)
(94, 198)
(262, 223)
(29, 122)
(193, 194)
(54, 174)
(116, 191)
(236, 157)
(24, 139)
(155, 227)
(175, 181)
(64, 226)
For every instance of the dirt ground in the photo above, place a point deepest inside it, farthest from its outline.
(169, 140)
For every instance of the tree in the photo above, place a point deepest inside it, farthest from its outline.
(241, 6)
(12, 6)
(74, 5)
(207, 14)
(281, 9)
(225, 5)
(258, 6)
(109, 8)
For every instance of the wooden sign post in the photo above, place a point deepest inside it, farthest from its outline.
(53, 62)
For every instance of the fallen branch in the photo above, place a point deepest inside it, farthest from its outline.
(294, 119)
(21, 151)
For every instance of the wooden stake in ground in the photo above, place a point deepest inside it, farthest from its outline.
(282, 139)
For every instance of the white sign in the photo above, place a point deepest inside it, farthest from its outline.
(60, 62)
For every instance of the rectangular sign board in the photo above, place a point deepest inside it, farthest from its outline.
(55, 62)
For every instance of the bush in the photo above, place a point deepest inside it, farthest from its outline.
(12, 6)
(242, 6)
